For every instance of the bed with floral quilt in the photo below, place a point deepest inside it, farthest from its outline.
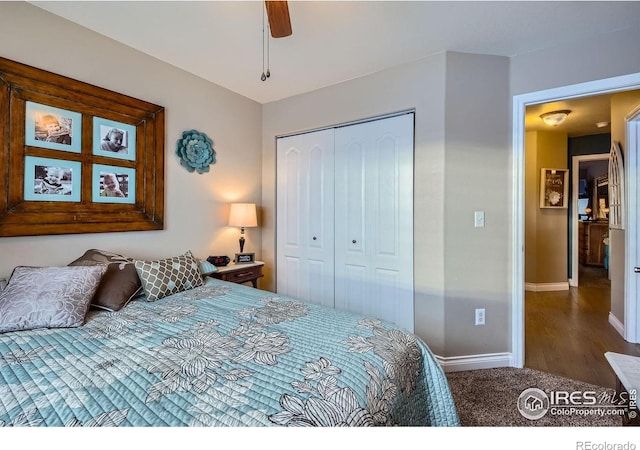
(220, 354)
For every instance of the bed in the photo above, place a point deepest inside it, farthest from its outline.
(221, 354)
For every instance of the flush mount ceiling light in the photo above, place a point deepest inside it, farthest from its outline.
(602, 124)
(555, 118)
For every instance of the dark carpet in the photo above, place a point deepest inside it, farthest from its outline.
(489, 398)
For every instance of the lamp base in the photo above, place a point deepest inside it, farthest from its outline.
(244, 258)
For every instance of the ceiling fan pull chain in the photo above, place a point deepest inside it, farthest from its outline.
(268, 51)
(263, 77)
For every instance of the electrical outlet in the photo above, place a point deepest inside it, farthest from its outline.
(480, 316)
(478, 217)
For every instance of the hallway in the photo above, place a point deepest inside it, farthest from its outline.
(568, 332)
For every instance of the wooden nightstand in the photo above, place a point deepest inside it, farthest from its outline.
(240, 273)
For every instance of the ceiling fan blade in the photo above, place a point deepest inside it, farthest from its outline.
(279, 20)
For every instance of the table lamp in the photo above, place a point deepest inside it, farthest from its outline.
(243, 215)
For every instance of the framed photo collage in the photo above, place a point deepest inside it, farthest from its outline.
(78, 158)
(58, 179)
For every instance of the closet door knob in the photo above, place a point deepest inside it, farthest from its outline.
(353, 242)
(314, 238)
(636, 269)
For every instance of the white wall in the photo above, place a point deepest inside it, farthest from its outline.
(195, 205)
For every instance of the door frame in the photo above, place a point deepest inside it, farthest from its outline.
(574, 281)
(520, 102)
(632, 240)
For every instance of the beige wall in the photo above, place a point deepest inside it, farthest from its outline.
(195, 205)
(462, 163)
(477, 167)
(546, 235)
(621, 105)
(420, 86)
(456, 267)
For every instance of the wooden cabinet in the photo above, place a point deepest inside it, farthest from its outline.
(590, 242)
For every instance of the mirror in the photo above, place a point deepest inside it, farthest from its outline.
(601, 198)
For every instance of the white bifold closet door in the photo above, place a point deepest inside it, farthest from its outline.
(374, 219)
(345, 218)
(305, 219)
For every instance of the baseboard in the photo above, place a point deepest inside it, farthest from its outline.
(544, 287)
(475, 362)
(616, 324)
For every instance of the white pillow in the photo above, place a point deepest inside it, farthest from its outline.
(48, 297)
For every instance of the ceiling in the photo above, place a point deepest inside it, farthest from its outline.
(334, 41)
(585, 114)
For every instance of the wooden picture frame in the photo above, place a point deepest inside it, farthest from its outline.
(554, 188)
(83, 109)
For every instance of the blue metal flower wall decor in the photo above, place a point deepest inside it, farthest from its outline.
(196, 152)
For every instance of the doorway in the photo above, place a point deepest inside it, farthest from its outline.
(589, 265)
(520, 102)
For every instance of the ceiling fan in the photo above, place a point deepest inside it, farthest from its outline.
(280, 26)
(279, 20)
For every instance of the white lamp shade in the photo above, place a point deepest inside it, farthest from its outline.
(243, 215)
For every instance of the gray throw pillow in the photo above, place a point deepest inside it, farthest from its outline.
(165, 277)
(48, 297)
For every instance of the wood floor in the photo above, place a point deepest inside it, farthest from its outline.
(568, 332)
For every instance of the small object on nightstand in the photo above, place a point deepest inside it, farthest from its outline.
(240, 273)
(244, 258)
(219, 261)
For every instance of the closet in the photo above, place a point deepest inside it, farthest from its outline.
(345, 217)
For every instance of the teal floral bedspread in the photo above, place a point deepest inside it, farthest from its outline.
(222, 355)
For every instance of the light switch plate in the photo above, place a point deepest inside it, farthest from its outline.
(479, 219)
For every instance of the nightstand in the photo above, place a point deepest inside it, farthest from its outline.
(240, 273)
